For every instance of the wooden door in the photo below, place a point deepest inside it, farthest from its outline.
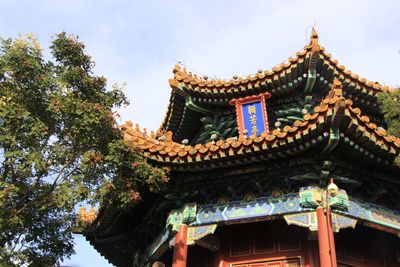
(265, 244)
(274, 263)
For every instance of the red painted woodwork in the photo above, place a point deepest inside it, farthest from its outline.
(331, 238)
(180, 249)
(366, 247)
(274, 243)
(270, 243)
(323, 239)
(273, 263)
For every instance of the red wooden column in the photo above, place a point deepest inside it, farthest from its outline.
(323, 239)
(221, 261)
(331, 237)
(180, 249)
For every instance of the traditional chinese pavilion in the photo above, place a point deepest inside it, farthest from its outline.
(251, 159)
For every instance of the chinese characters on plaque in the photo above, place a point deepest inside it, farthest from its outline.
(253, 119)
(251, 115)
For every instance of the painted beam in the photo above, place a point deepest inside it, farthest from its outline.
(239, 212)
(373, 215)
(205, 218)
(268, 208)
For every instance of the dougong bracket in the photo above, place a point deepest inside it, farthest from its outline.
(313, 197)
(186, 215)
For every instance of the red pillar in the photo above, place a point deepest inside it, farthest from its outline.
(180, 249)
(220, 259)
(223, 263)
(331, 239)
(323, 239)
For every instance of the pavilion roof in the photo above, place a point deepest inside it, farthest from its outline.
(337, 112)
(280, 80)
(194, 84)
(310, 131)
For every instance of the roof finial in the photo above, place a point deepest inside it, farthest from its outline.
(314, 41)
(87, 217)
(177, 68)
(314, 33)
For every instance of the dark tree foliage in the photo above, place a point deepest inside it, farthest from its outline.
(390, 107)
(59, 146)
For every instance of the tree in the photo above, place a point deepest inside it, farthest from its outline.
(59, 146)
(390, 107)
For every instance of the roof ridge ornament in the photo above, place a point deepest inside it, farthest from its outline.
(314, 41)
(312, 65)
(337, 117)
(177, 68)
(87, 217)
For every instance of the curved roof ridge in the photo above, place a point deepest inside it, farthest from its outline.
(181, 75)
(164, 149)
(214, 86)
(365, 120)
(376, 87)
(167, 117)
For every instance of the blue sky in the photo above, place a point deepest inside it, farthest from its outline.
(138, 42)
